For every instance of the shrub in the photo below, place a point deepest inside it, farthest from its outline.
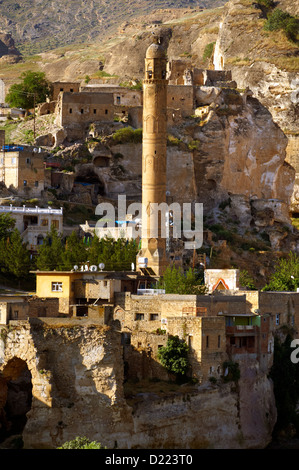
(127, 134)
(232, 371)
(81, 443)
(281, 20)
(208, 51)
(174, 356)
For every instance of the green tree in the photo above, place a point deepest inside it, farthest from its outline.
(7, 224)
(74, 253)
(50, 253)
(246, 280)
(175, 281)
(115, 254)
(286, 275)
(16, 259)
(33, 89)
(174, 356)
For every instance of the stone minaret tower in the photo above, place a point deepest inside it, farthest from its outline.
(154, 155)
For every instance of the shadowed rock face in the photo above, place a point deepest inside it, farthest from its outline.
(8, 50)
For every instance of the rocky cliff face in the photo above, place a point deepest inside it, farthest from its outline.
(265, 62)
(8, 51)
(76, 371)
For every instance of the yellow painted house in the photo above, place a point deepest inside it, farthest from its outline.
(78, 290)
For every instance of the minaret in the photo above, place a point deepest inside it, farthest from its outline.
(154, 156)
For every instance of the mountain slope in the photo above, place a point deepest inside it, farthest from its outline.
(44, 25)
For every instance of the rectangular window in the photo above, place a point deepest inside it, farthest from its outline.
(13, 161)
(56, 286)
(139, 316)
(36, 184)
(71, 90)
(219, 341)
(16, 314)
(27, 160)
(277, 319)
(25, 182)
(106, 111)
(207, 341)
(55, 223)
(71, 110)
(94, 111)
(82, 111)
(154, 316)
(44, 222)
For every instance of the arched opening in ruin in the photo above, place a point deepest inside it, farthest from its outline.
(15, 398)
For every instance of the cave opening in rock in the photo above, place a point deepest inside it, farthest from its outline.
(15, 398)
(89, 177)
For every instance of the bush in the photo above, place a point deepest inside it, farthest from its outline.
(127, 134)
(81, 443)
(208, 51)
(232, 371)
(174, 356)
(281, 20)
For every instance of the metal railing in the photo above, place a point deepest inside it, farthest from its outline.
(31, 210)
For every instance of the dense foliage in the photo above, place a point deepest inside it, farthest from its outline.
(55, 253)
(81, 443)
(281, 20)
(174, 356)
(286, 275)
(33, 89)
(14, 256)
(176, 281)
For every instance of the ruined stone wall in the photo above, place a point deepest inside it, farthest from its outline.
(84, 108)
(181, 97)
(77, 372)
(77, 377)
(58, 87)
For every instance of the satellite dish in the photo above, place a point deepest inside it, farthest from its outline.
(75, 267)
(101, 266)
(93, 268)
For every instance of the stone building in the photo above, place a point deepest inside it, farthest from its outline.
(22, 169)
(34, 223)
(59, 87)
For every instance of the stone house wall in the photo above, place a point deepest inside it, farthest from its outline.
(24, 171)
(58, 87)
(84, 108)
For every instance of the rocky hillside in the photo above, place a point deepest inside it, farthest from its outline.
(43, 25)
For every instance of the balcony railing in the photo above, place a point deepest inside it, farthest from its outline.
(31, 210)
